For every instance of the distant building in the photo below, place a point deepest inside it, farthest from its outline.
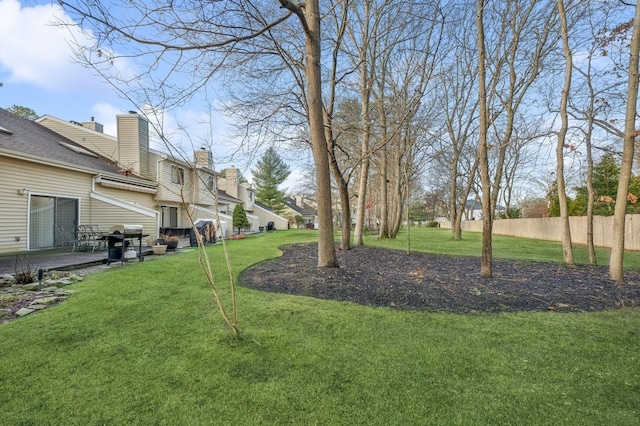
(473, 210)
(303, 209)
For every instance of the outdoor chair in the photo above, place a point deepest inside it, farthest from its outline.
(88, 236)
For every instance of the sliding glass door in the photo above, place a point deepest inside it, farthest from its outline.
(52, 221)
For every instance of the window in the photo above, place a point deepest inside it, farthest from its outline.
(250, 196)
(210, 183)
(177, 175)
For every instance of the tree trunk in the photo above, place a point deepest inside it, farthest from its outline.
(590, 191)
(327, 256)
(343, 188)
(362, 197)
(454, 211)
(617, 249)
(486, 269)
(567, 248)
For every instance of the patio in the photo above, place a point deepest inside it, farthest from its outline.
(60, 259)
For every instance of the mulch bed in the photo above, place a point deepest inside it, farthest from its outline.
(381, 277)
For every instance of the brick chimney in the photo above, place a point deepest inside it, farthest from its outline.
(300, 201)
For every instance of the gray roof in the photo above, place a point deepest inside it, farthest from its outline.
(26, 138)
(222, 195)
(304, 211)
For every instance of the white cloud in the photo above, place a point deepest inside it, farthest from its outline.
(38, 52)
(105, 114)
(38, 70)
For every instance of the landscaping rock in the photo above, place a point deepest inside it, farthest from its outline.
(75, 278)
(24, 311)
(30, 287)
(4, 312)
(59, 283)
(35, 306)
(47, 300)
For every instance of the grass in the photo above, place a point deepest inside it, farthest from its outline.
(143, 344)
(438, 240)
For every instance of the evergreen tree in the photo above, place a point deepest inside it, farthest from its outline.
(270, 172)
(605, 184)
(240, 217)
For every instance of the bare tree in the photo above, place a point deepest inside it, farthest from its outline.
(458, 102)
(486, 269)
(508, 65)
(199, 41)
(309, 17)
(406, 64)
(567, 248)
(588, 102)
(616, 271)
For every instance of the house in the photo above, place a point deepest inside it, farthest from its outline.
(266, 214)
(184, 190)
(473, 210)
(301, 212)
(232, 192)
(50, 184)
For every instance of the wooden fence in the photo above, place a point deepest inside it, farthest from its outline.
(551, 229)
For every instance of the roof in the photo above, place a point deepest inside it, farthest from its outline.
(304, 211)
(26, 138)
(477, 205)
(265, 207)
(226, 197)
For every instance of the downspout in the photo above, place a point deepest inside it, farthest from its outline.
(93, 190)
(158, 182)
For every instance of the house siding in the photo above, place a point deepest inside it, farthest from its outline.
(57, 182)
(140, 199)
(171, 192)
(266, 216)
(42, 180)
(128, 139)
(95, 141)
(106, 215)
(204, 194)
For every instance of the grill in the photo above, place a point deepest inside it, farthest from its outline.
(120, 238)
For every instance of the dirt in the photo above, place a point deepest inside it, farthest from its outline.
(381, 277)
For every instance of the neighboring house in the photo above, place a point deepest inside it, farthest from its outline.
(302, 207)
(473, 210)
(184, 188)
(535, 208)
(266, 214)
(50, 184)
(232, 192)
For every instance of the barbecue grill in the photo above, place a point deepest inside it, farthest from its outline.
(119, 238)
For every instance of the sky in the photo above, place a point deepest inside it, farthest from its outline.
(37, 70)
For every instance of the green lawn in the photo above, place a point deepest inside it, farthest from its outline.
(143, 344)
